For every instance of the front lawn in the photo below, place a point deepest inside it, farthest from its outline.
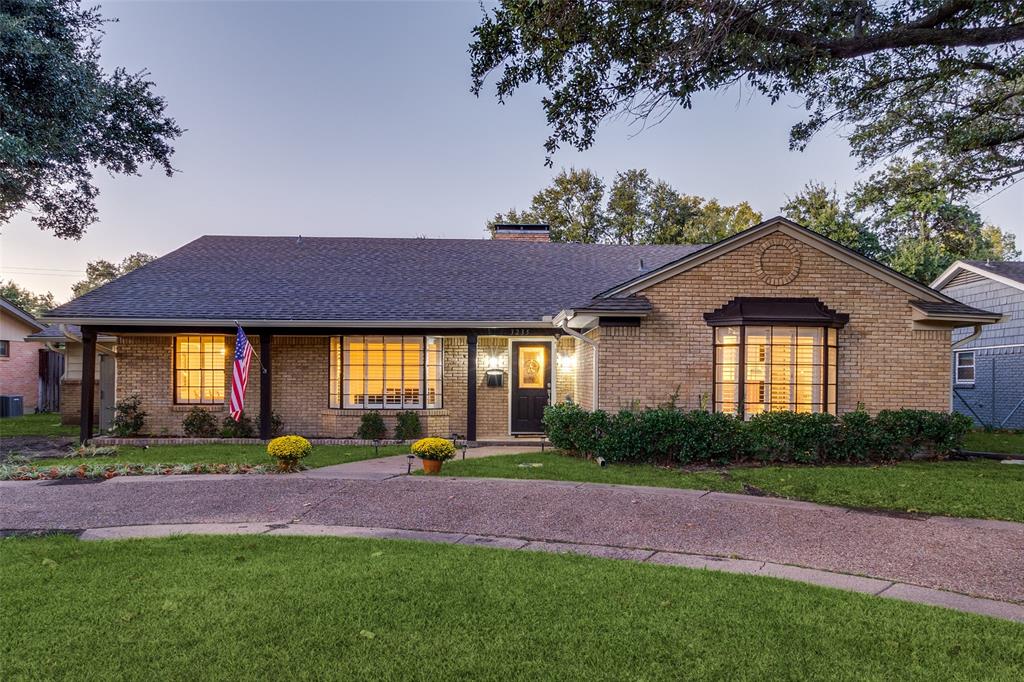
(41, 424)
(237, 607)
(1011, 442)
(322, 455)
(978, 489)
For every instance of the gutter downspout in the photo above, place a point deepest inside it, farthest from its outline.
(77, 339)
(563, 325)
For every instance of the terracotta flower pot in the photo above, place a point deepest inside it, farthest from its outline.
(431, 466)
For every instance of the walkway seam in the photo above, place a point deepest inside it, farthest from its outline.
(843, 581)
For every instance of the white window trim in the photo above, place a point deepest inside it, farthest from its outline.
(956, 367)
(421, 405)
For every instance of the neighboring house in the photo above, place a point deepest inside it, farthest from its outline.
(19, 360)
(477, 336)
(65, 342)
(988, 367)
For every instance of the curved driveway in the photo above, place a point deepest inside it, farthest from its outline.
(983, 558)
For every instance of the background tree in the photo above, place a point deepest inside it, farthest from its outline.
(939, 79)
(821, 209)
(99, 272)
(32, 303)
(900, 218)
(639, 210)
(62, 116)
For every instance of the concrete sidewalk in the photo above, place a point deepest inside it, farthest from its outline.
(970, 557)
(384, 468)
(851, 583)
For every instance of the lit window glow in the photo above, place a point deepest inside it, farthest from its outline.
(385, 372)
(199, 370)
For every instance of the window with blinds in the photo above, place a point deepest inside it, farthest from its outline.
(385, 372)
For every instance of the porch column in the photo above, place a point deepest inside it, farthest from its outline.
(471, 387)
(266, 402)
(85, 420)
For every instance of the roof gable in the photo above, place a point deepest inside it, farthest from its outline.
(20, 314)
(791, 229)
(1010, 273)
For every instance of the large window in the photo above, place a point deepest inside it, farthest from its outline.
(965, 367)
(385, 372)
(199, 370)
(775, 368)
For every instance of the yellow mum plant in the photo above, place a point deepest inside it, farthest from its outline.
(288, 450)
(438, 449)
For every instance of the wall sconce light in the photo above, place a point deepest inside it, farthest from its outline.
(566, 362)
(493, 361)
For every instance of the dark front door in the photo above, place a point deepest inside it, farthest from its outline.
(531, 385)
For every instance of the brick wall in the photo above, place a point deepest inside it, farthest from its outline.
(883, 362)
(71, 401)
(19, 372)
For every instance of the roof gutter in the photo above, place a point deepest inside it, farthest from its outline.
(562, 322)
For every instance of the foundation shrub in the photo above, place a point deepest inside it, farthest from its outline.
(372, 427)
(129, 417)
(243, 428)
(199, 423)
(408, 426)
(793, 436)
(667, 435)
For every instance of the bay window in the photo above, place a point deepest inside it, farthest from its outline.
(385, 372)
(773, 354)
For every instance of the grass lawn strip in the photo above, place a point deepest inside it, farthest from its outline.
(1010, 442)
(41, 424)
(322, 455)
(974, 489)
(330, 608)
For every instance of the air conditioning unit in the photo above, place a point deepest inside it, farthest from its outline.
(12, 405)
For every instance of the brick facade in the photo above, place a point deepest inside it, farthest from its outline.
(19, 370)
(883, 362)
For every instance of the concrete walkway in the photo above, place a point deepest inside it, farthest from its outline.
(971, 558)
(384, 468)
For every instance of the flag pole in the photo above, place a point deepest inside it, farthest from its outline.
(263, 367)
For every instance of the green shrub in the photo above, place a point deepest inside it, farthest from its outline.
(199, 423)
(243, 428)
(666, 435)
(128, 416)
(372, 427)
(276, 424)
(408, 427)
(571, 428)
(792, 436)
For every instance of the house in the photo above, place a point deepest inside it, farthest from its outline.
(63, 346)
(988, 362)
(19, 360)
(478, 336)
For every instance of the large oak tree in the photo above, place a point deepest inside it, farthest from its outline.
(62, 116)
(942, 80)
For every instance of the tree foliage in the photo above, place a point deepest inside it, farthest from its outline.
(30, 302)
(939, 79)
(99, 272)
(638, 210)
(62, 116)
(901, 218)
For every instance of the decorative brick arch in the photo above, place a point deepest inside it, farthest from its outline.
(778, 262)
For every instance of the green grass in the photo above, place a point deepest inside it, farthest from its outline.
(977, 489)
(1011, 442)
(236, 607)
(41, 424)
(322, 455)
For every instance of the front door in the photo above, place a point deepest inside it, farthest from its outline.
(531, 385)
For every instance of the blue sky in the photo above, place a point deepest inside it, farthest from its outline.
(356, 119)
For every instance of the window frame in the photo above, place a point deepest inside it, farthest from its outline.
(829, 399)
(957, 367)
(5, 348)
(222, 369)
(337, 376)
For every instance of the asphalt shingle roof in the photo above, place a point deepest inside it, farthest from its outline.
(1011, 269)
(951, 308)
(371, 279)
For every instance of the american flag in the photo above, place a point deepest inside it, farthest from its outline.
(240, 376)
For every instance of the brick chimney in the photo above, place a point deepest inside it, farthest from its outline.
(533, 232)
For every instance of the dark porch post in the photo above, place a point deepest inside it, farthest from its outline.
(266, 402)
(85, 420)
(471, 387)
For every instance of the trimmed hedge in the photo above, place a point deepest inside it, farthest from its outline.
(666, 435)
